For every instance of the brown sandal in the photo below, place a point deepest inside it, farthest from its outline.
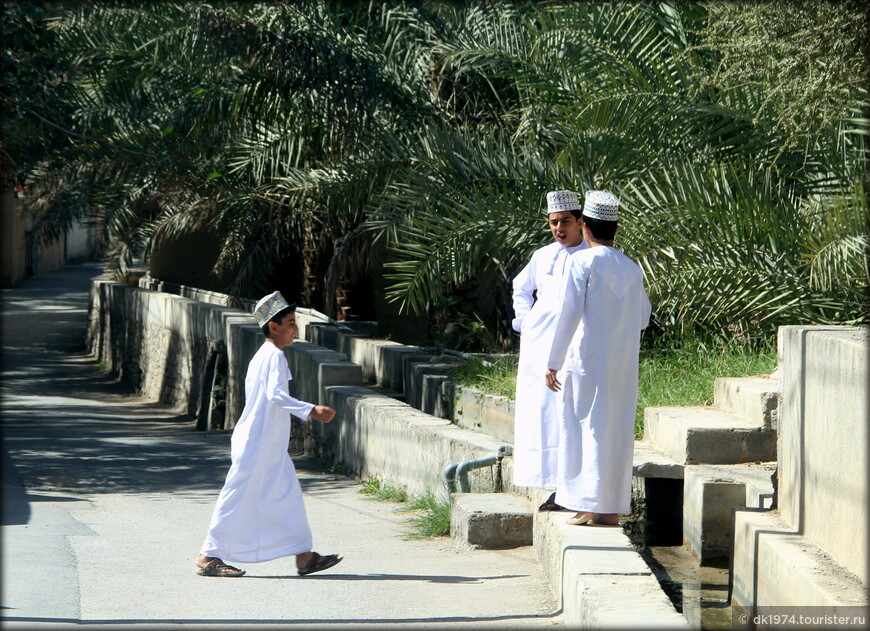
(319, 562)
(216, 567)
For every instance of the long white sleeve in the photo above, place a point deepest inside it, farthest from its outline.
(277, 390)
(523, 294)
(573, 301)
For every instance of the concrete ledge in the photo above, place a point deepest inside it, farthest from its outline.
(709, 494)
(631, 602)
(602, 582)
(374, 435)
(491, 520)
(485, 413)
(755, 399)
(773, 566)
(649, 462)
(699, 435)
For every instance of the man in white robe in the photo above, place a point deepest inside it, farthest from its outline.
(596, 345)
(260, 514)
(536, 301)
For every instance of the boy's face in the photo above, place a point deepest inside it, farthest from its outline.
(565, 228)
(282, 334)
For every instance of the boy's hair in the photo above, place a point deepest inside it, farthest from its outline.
(600, 229)
(577, 213)
(277, 318)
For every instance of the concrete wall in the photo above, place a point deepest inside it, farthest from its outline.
(823, 440)
(158, 344)
(12, 250)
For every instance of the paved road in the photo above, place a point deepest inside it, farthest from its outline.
(107, 497)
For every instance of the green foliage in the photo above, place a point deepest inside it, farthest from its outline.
(302, 136)
(433, 518)
(685, 374)
(673, 371)
(497, 377)
(383, 493)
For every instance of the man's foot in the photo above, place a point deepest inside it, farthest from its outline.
(315, 562)
(212, 566)
(550, 504)
(608, 519)
(580, 519)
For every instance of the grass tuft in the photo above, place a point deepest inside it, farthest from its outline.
(431, 519)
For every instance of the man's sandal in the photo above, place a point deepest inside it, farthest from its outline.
(319, 562)
(216, 567)
(550, 504)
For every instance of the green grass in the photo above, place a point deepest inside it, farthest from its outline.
(682, 375)
(384, 493)
(686, 376)
(498, 377)
(432, 518)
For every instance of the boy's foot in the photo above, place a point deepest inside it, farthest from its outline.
(317, 562)
(216, 567)
(611, 519)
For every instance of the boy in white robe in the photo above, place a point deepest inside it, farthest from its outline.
(536, 300)
(260, 514)
(597, 343)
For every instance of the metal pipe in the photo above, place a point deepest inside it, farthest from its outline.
(461, 469)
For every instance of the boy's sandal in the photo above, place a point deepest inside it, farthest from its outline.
(319, 562)
(216, 567)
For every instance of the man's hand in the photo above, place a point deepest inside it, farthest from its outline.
(322, 413)
(552, 382)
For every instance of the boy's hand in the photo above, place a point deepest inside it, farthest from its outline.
(322, 413)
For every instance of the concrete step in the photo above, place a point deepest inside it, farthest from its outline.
(775, 566)
(649, 462)
(601, 580)
(491, 520)
(701, 435)
(710, 492)
(755, 399)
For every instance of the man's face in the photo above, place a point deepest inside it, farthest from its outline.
(282, 334)
(565, 228)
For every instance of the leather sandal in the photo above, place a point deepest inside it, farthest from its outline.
(216, 567)
(319, 562)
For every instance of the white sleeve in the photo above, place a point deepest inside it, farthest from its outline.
(277, 389)
(524, 286)
(570, 313)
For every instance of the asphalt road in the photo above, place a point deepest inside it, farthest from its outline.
(107, 498)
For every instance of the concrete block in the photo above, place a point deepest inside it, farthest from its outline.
(618, 602)
(699, 435)
(708, 499)
(414, 384)
(390, 371)
(601, 581)
(410, 363)
(437, 396)
(491, 520)
(754, 399)
(823, 440)
(774, 566)
(485, 413)
(336, 374)
(649, 462)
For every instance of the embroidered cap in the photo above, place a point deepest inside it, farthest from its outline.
(601, 205)
(560, 201)
(268, 307)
